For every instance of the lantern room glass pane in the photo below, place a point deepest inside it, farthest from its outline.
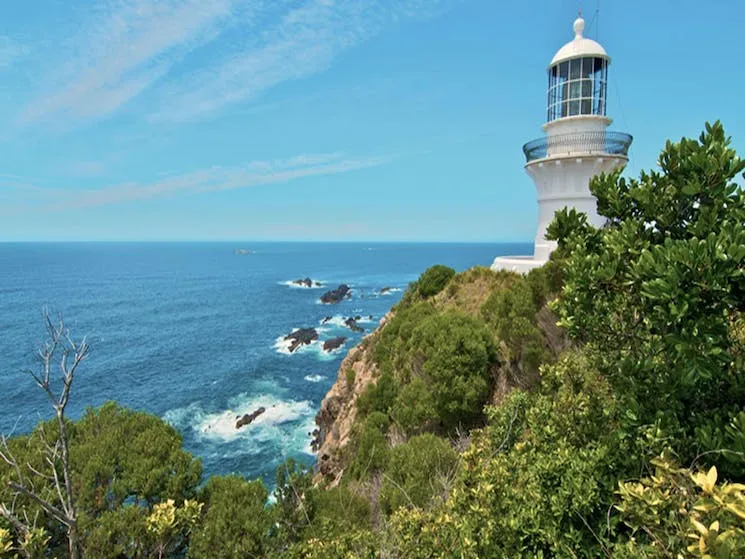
(587, 67)
(575, 68)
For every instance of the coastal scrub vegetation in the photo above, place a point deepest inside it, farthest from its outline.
(486, 430)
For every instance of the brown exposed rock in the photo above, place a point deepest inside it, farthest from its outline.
(339, 411)
(248, 418)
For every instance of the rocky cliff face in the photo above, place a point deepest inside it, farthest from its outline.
(339, 408)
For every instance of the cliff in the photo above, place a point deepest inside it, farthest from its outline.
(467, 292)
(338, 412)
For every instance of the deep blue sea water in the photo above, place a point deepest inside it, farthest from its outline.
(192, 332)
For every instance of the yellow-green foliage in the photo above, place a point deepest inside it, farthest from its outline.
(347, 545)
(535, 483)
(680, 513)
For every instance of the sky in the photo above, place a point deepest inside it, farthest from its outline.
(338, 120)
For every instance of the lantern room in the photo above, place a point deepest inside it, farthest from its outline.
(578, 78)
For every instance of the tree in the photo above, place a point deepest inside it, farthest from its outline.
(92, 486)
(63, 354)
(660, 291)
(434, 280)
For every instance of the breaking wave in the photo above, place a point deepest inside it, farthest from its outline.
(285, 424)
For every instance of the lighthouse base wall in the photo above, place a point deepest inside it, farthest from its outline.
(561, 182)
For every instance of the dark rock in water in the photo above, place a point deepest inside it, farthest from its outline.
(336, 295)
(307, 282)
(351, 323)
(370, 317)
(248, 418)
(334, 343)
(358, 317)
(327, 319)
(318, 284)
(385, 290)
(301, 336)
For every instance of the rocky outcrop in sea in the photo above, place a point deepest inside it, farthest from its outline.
(337, 295)
(301, 336)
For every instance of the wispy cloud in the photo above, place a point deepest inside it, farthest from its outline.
(213, 179)
(304, 41)
(126, 47)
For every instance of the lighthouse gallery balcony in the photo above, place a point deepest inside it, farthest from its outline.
(579, 143)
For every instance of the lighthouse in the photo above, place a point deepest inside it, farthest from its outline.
(577, 144)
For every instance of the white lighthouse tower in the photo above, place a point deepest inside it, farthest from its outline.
(577, 144)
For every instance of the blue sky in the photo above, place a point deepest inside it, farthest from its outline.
(325, 119)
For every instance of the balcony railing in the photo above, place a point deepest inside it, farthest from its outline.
(579, 143)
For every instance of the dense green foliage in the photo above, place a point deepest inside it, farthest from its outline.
(235, 522)
(436, 369)
(631, 443)
(432, 281)
(658, 291)
(124, 462)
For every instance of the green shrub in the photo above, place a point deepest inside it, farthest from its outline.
(687, 510)
(414, 408)
(656, 289)
(512, 314)
(336, 511)
(235, 522)
(418, 472)
(454, 354)
(451, 353)
(349, 375)
(434, 280)
(391, 347)
(378, 397)
(546, 465)
(370, 445)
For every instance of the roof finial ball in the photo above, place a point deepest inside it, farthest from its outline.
(579, 26)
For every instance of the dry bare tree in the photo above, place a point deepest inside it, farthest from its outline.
(59, 355)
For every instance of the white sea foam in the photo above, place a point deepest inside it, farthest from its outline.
(390, 291)
(282, 345)
(317, 284)
(284, 423)
(315, 348)
(321, 355)
(338, 320)
(314, 378)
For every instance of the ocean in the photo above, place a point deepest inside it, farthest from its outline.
(193, 332)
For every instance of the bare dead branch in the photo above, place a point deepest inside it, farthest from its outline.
(62, 352)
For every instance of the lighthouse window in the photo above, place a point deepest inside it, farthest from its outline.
(577, 87)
